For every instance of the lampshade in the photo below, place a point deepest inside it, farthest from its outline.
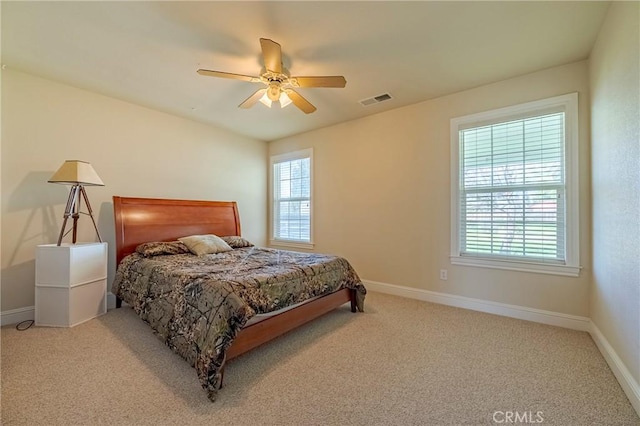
(265, 100)
(76, 172)
(284, 100)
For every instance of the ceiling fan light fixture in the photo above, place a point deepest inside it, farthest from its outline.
(284, 100)
(265, 99)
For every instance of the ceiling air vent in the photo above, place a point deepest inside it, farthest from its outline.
(375, 100)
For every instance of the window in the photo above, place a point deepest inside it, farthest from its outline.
(514, 187)
(291, 176)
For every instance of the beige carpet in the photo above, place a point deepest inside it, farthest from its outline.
(403, 362)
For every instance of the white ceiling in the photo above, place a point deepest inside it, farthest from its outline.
(148, 52)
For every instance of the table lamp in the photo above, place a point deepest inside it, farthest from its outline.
(78, 174)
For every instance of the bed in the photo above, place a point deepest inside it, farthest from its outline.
(212, 308)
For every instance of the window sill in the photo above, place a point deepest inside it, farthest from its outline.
(291, 244)
(539, 268)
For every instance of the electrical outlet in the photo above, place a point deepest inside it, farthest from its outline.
(443, 275)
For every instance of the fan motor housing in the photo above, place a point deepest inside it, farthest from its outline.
(273, 92)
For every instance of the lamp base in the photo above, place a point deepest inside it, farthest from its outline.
(73, 210)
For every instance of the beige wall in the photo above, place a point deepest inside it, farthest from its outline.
(615, 88)
(135, 150)
(382, 187)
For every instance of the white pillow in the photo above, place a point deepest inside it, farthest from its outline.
(205, 244)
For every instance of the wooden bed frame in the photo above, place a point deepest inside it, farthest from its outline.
(140, 220)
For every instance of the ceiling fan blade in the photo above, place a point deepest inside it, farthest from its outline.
(326, 81)
(272, 53)
(210, 73)
(300, 102)
(251, 100)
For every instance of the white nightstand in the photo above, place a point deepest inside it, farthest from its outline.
(71, 283)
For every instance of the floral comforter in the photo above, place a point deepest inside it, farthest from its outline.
(197, 304)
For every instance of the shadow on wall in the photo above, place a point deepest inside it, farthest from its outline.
(29, 220)
(37, 197)
(20, 279)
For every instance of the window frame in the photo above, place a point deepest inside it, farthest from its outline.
(282, 158)
(569, 105)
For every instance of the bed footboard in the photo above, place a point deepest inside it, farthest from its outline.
(270, 328)
(264, 331)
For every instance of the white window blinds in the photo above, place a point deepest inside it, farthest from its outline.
(512, 189)
(292, 199)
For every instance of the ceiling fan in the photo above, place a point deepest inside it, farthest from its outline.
(278, 81)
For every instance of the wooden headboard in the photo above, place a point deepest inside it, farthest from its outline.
(140, 220)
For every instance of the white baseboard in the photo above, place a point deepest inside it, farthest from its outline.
(573, 322)
(620, 370)
(15, 316)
